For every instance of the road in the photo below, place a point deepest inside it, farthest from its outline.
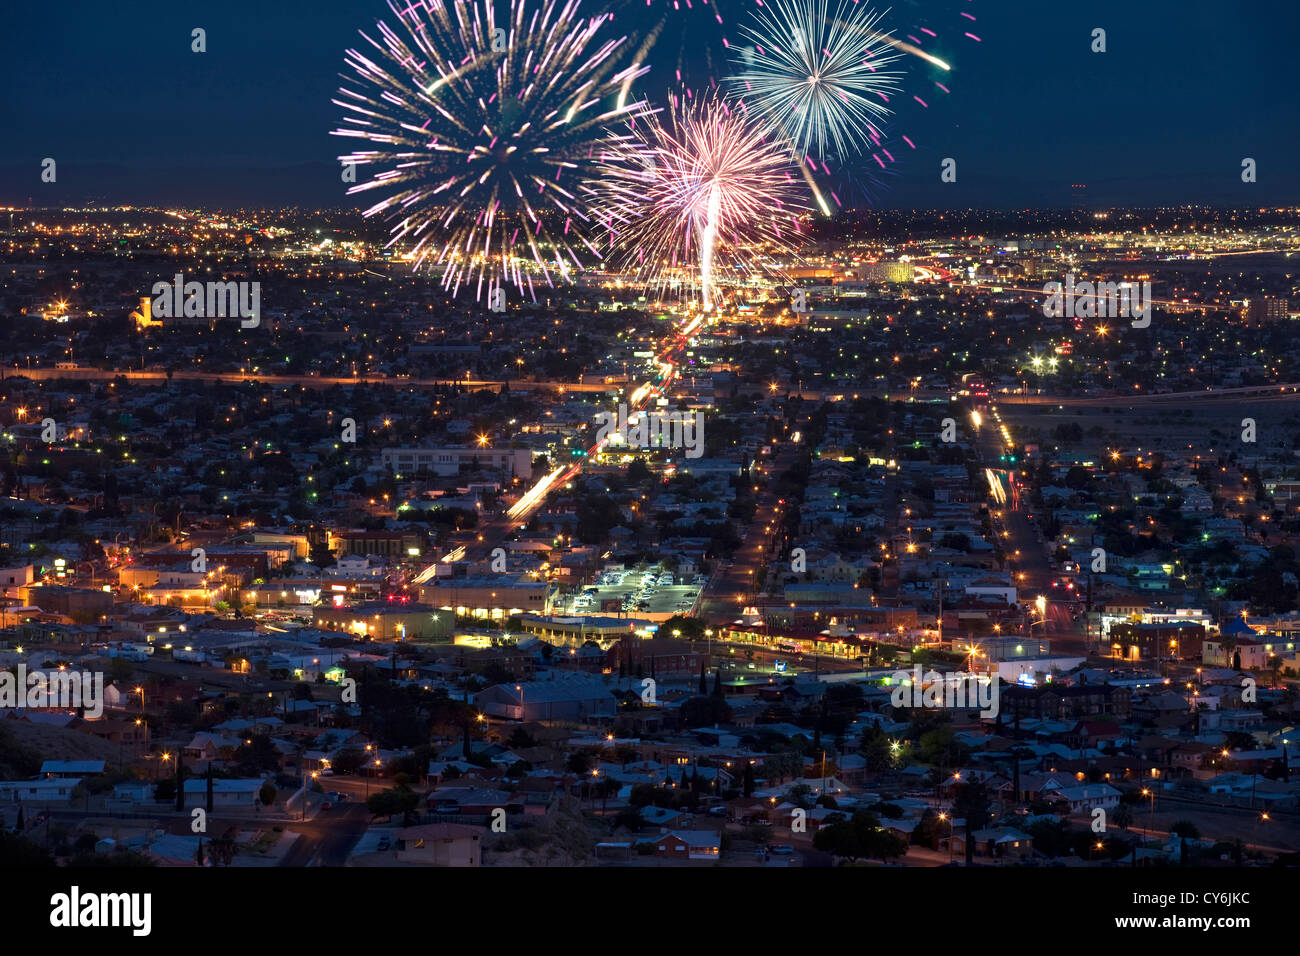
(328, 838)
(731, 587)
(1026, 551)
(162, 376)
(493, 531)
(1281, 391)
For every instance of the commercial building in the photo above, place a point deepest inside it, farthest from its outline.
(383, 621)
(494, 597)
(577, 698)
(515, 462)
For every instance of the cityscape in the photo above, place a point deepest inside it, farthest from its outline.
(732, 521)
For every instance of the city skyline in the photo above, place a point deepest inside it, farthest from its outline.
(677, 435)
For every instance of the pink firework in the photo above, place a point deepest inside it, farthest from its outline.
(700, 201)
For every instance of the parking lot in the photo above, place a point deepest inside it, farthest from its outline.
(641, 591)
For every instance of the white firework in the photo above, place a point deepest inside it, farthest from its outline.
(817, 77)
(474, 120)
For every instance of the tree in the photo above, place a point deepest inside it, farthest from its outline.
(971, 801)
(19, 852)
(267, 793)
(703, 711)
(859, 837)
(392, 801)
(1123, 816)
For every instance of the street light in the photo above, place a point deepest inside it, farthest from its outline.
(944, 817)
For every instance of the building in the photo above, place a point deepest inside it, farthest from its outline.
(225, 793)
(495, 597)
(1130, 641)
(577, 698)
(12, 579)
(73, 768)
(580, 629)
(514, 462)
(389, 544)
(1263, 309)
(1086, 797)
(1056, 702)
(439, 844)
(46, 790)
(81, 604)
(662, 657)
(894, 272)
(689, 845)
(1242, 653)
(384, 621)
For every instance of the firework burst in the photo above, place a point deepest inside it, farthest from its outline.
(474, 127)
(817, 76)
(700, 202)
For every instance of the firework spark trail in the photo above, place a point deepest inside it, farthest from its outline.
(699, 198)
(474, 122)
(816, 75)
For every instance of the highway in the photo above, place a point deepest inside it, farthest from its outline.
(1281, 391)
(162, 377)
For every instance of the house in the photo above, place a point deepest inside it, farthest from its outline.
(439, 844)
(1084, 798)
(1239, 653)
(206, 746)
(689, 845)
(664, 817)
(1190, 756)
(133, 791)
(225, 793)
(995, 842)
(473, 801)
(73, 768)
(1094, 733)
(48, 790)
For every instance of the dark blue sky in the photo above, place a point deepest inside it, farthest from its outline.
(1186, 90)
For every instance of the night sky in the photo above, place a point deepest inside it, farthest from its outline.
(1186, 90)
